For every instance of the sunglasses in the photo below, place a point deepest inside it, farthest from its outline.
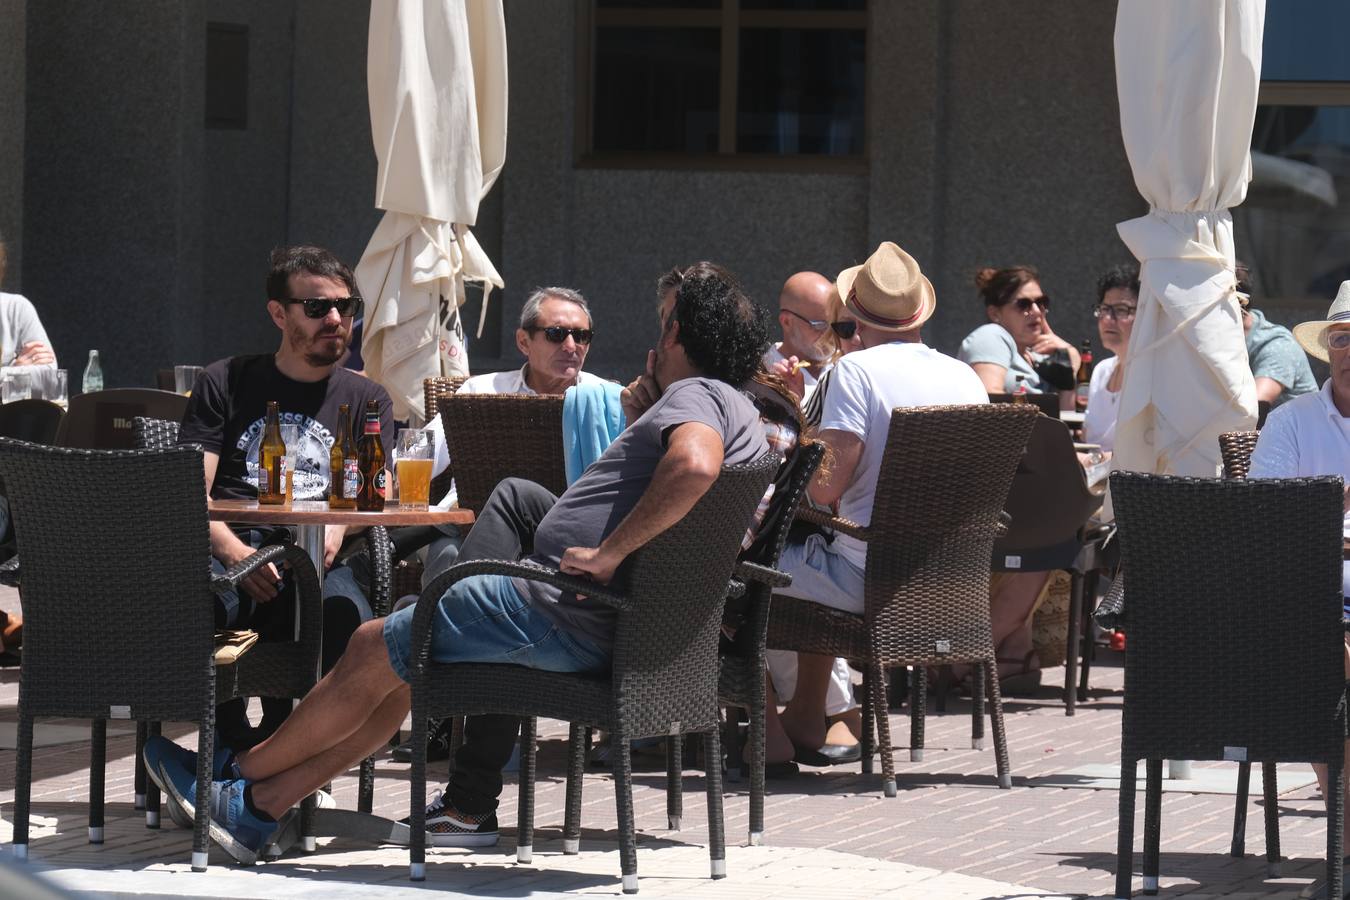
(1024, 304)
(1338, 340)
(318, 307)
(1120, 313)
(556, 334)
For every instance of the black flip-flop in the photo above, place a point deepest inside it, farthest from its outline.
(785, 769)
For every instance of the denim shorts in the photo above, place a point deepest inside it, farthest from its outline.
(484, 619)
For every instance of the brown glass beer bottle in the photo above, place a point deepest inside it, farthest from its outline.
(344, 468)
(370, 456)
(272, 460)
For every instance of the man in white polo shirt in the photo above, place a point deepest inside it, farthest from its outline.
(1310, 434)
(891, 300)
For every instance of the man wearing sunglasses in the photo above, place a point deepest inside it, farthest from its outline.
(311, 299)
(807, 345)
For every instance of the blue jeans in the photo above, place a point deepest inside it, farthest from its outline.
(484, 619)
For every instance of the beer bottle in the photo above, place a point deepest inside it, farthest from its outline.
(1084, 377)
(370, 457)
(272, 459)
(344, 469)
(1019, 394)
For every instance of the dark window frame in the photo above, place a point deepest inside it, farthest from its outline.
(730, 19)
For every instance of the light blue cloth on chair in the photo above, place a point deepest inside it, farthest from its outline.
(592, 419)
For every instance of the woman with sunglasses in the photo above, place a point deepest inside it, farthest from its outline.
(1015, 346)
(1117, 297)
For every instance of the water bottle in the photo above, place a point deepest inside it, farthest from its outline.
(93, 374)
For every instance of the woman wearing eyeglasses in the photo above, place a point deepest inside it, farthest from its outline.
(1117, 297)
(1017, 348)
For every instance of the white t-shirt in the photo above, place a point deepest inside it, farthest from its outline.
(865, 387)
(1302, 437)
(810, 374)
(1099, 423)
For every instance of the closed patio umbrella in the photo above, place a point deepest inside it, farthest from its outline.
(1187, 74)
(436, 75)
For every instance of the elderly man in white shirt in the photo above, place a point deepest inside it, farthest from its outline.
(1310, 434)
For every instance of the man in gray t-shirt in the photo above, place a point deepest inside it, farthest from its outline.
(687, 419)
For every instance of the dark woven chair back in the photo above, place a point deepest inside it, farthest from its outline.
(944, 477)
(153, 434)
(678, 582)
(108, 623)
(1049, 500)
(495, 436)
(1235, 630)
(433, 389)
(36, 421)
(1046, 403)
(102, 420)
(1236, 449)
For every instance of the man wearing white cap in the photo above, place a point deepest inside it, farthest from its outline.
(1310, 434)
(891, 299)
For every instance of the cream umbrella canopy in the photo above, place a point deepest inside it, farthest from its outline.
(1187, 74)
(436, 76)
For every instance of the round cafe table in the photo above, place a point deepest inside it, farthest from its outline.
(309, 517)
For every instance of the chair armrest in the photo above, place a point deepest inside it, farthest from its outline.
(748, 571)
(735, 589)
(546, 574)
(9, 572)
(834, 523)
(1003, 524)
(1110, 613)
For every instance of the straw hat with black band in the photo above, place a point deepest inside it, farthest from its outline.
(888, 291)
(1312, 336)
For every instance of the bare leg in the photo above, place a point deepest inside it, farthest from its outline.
(278, 793)
(339, 706)
(1321, 770)
(845, 729)
(777, 744)
(804, 718)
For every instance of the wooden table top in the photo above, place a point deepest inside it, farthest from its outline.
(317, 512)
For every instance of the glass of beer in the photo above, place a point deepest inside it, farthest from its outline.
(291, 435)
(414, 456)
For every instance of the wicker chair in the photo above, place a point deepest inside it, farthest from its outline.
(31, 420)
(944, 477)
(669, 596)
(102, 420)
(133, 513)
(496, 436)
(433, 389)
(1236, 449)
(1236, 642)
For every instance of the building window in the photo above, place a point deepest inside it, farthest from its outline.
(703, 83)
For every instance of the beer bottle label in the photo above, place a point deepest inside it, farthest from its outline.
(262, 480)
(351, 479)
(379, 482)
(281, 474)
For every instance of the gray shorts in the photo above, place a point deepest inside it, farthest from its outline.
(821, 575)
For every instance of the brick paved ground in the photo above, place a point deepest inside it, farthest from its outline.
(949, 816)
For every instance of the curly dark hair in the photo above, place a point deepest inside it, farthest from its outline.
(1124, 276)
(724, 333)
(307, 260)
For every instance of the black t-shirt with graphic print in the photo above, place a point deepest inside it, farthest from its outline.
(228, 409)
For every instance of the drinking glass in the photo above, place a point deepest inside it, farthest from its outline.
(55, 389)
(184, 377)
(290, 435)
(414, 458)
(15, 385)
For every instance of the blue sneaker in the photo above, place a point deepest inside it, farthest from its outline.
(239, 832)
(159, 749)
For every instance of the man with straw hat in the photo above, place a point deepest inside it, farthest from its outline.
(1310, 434)
(891, 300)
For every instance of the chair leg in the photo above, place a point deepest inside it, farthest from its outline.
(525, 806)
(736, 764)
(1125, 832)
(151, 790)
(717, 841)
(1271, 791)
(139, 797)
(675, 781)
(1088, 647)
(1071, 653)
(869, 720)
(918, 711)
(757, 727)
(944, 687)
(201, 822)
(23, 786)
(417, 790)
(877, 698)
(1239, 846)
(1335, 827)
(578, 740)
(365, 791)
(621, 761)
(98, 757)
(996, 723)
(977, 707)
(1152, 823)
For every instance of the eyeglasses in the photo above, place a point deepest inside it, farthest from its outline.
(556, 334)
(1024, 304)
(1338, 340)
(845, 329)
(1120, 313)
(318, 307)
(816, 324)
